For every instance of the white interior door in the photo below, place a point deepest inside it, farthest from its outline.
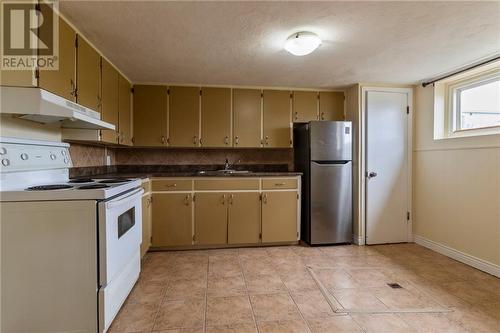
(386, 167)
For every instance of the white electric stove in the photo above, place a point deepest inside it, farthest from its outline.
(70, 248)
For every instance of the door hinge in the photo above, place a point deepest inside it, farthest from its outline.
(291, 95)
(261, 94)
(76, 41)
(407, 109)
(260, 235)
(168, 91)
(201, 92)
(100, 63)
(407, 216)
(132, 90)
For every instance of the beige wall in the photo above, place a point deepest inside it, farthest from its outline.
(456, 187)
(20, 128)
(353, 113)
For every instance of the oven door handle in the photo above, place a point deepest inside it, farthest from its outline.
(126, 199)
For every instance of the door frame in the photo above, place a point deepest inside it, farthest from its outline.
(363, 156)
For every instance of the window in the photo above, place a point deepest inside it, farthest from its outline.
(476, 103)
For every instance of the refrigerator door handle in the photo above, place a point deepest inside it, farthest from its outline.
(330, 162)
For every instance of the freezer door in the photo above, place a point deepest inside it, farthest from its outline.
(330, 140)
(331, 202)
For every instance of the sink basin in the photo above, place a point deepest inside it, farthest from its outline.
(223, 172)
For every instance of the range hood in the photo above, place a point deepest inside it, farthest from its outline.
(44, 107)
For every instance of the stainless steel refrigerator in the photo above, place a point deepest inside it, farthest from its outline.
(323, 153)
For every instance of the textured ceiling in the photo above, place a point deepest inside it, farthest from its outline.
(241, 43)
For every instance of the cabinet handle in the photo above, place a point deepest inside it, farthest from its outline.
(187, 199)
(99, 101)
(322, 116)
(223, 199)
(266, 140)
(226, 140)
(264, 198)
(195, 140)
(231, 196)
(236, 140)
(163, 140)
(72, 87)
(201, 141)
(171, 185)
(279, 184)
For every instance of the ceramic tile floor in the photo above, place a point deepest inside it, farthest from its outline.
(270, 290)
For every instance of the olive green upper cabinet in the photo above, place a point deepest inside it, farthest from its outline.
(150, 113)
(277, 130)
(331, 105)
(215, 117)
(247, 118)
(184, 116)
(109, 107)
(88, 75)
(305, 106)
(124, 111)
(61, 82)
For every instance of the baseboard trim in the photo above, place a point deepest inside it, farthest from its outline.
(465, 258)
(358, 240)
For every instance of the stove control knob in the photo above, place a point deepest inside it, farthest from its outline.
(52, 156)
(5, 162)
(63, 152)
(3, 151)
(66, 161)
(24, 156)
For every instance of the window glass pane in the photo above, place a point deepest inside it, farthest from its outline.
(480, 106)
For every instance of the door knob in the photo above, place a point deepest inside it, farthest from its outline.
(372, 175)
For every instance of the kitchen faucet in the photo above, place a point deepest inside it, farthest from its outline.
(227, 165)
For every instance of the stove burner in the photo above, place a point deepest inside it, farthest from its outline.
(116, 180)
(81, 180)
(49, 187)
(92, 186)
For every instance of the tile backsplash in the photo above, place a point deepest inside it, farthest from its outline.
(86, 156)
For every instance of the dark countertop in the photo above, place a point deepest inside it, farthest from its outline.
(196, 174)
(147, 171)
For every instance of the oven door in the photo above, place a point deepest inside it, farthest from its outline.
(120, 233)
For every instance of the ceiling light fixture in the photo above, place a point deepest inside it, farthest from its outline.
(302, 43)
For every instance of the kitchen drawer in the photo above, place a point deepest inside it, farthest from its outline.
(172, 185)
(278, 183)
(146, 185)
(227, 184)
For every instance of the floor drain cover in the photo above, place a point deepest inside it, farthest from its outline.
(394, 285)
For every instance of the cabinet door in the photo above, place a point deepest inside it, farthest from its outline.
(150, 105)
(109, 107)
(172, 219)
(88, 76)
(277, 131)
(61, 82)
(216, 117)
(305, 106)
(210, 218)
(331, 105)
(279, 216)
(247, 118)
(124, 111)
(146, 224)
(184, 116)
(243, 218)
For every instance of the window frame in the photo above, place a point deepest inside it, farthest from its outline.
(454, 91)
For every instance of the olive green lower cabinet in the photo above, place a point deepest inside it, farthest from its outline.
(215, 212)
(172, 219)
